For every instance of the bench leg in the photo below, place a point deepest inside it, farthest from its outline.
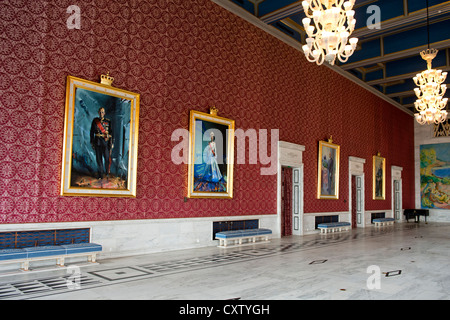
(25, 265)
(60, 261)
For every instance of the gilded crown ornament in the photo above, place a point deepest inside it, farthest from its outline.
(213, 111)
(106, 79)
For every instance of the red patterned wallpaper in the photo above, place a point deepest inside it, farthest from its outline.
(179, 55)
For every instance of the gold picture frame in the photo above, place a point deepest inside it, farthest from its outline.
(100, 139)
(328, 170)
(379, 177)
(211, 155)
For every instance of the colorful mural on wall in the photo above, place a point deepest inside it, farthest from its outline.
(435, 176)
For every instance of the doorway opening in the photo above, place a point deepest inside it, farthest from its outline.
(286, 201)
(290, 189)
(291, 213)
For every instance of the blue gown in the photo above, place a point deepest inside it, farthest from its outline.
(212, 171)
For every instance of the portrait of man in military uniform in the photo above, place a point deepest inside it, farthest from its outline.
(100, 139)
(102, 142)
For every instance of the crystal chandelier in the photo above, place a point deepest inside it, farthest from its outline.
(328, 35)
(430, 102)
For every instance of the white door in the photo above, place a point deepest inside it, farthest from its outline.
(359, 201)
(297, 208)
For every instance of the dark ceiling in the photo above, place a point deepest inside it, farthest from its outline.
(386, 58)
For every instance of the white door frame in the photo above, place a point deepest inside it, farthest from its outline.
(396, 175)
(356, 168)
(290, 155)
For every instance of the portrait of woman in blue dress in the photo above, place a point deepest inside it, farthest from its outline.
(211, 155)
(212, 170)
(210, 173)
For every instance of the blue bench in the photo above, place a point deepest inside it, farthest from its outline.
(236, 236)
(26, 246)
(383, 221)
(333, 226)
(27, 255)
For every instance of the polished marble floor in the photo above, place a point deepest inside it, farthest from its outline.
(401, 262)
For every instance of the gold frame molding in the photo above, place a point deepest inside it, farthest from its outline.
(321, 167)
(194, 131)
(104, 88)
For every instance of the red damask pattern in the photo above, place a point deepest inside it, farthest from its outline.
(179, 55)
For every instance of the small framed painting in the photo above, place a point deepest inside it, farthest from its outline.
(211, 154)
(328, 170)
(379, 177)
(100, 139)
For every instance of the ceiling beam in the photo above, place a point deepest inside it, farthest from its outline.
(396, 55)
(295, 8)
(401, 94)
(282, 13)
(401, 77)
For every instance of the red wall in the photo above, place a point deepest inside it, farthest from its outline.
(179, 55)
